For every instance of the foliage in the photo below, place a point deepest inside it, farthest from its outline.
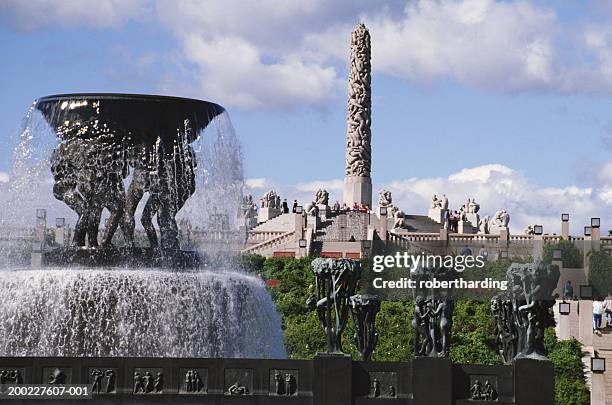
(566, 356)
(600, 273)
(473, 334)
(571, 256)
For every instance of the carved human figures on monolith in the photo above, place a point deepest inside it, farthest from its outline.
(358, 151)
(357, 180)
(363, 310)
(336, 280)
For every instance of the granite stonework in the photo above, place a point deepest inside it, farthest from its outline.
(345, 227)
(326, 380)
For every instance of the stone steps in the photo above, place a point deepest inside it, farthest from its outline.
(603, 346)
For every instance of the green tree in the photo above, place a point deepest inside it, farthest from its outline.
(566, 356)
(473, 334)
(571, 256)
(600, 273)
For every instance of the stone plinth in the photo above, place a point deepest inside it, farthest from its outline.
(534, 381)
(358, 190)
(585, 332)
(465, 227)
(432, 381)
(473, 219)
(437, 214)
(266, 214)
(313, 222)
(324, 211)
(502, 231)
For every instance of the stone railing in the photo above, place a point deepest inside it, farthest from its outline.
(270, 243)
(520, 238)
(209, 235)
(473, 238)
(17, 233)
(414, 236)
(262, 236)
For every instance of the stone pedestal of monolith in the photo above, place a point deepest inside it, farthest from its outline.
(266, 214)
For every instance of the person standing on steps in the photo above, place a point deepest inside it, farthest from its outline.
(598, 309)
(608, 311)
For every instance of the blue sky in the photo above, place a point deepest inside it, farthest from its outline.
(507, 101)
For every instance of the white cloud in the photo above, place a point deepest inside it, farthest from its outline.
(335, 185)
(498, 187)
(256, 183)
(36, 14)
(231, 70)
(4, 177)
(284, 54)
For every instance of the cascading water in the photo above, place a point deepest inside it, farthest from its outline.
(136, 313)
(86, 158)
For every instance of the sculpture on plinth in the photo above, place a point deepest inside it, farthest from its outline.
(523, 312)
(322, 197)
(506, 334)
(399, 220)
(312, 209)
(248, 212)
(433, 313)
(363, 310)
(270, 206)
(386, 200)
(336, 281)
(444, 202)
(438, 209)
(483, 226)
(271, 200)
(501, 219)
(436, 202)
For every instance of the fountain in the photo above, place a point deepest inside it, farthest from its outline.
(111, 158)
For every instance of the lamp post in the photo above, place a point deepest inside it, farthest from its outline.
(586, 292)
(598, 364)
(565, 226)
(564, 308)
